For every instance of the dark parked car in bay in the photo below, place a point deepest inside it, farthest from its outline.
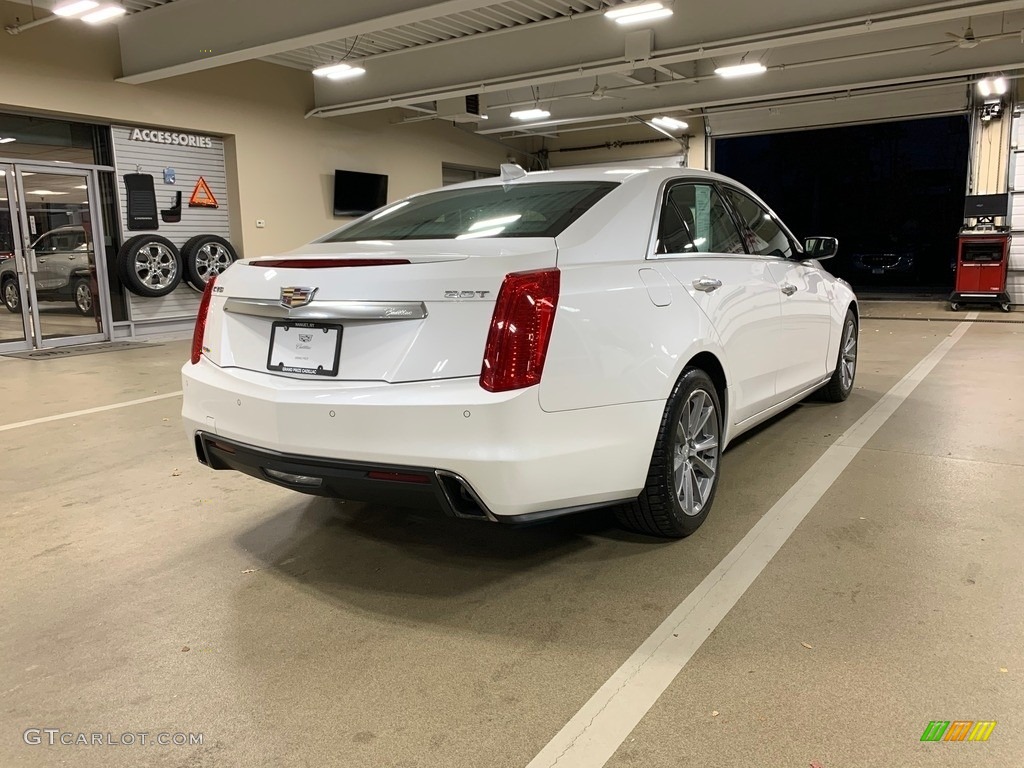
(64, 260)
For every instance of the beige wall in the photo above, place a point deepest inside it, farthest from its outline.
(283, 164)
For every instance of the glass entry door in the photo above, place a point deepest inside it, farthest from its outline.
(52, 284)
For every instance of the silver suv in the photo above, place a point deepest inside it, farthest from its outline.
(65, 272)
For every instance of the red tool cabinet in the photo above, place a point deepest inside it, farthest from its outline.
(981, 264)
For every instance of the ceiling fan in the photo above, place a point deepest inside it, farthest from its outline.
(969, 40)
(600, 92)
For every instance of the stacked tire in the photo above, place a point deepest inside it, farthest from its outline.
(152, 266)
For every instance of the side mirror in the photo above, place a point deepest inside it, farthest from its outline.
(821, 247)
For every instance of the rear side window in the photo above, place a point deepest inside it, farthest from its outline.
(763, 234)
(694, 219)
(520, 210)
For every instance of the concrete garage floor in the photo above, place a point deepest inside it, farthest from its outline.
(142, 592)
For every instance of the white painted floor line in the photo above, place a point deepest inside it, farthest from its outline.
(99, 409)
(593, 735)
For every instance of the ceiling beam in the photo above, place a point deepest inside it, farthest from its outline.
(539, 43)
(193, 35)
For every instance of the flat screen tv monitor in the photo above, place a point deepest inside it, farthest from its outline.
(356, 194)
(978, 206)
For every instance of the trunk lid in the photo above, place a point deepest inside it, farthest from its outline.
(356, 315)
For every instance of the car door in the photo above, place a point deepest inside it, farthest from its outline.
(701, 246)
(806, 310)
(46, 257)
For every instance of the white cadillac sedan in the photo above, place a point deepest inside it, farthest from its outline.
(520, 348)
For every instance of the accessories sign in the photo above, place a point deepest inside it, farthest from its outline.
(170, 137)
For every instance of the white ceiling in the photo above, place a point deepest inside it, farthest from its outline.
(567, 57)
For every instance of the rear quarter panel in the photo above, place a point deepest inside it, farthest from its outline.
(611, 344)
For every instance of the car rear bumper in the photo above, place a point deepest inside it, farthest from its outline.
(495, 456)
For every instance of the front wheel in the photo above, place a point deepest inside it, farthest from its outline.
(840, 385)
(683, 475)
(83, 296)
(11, 296)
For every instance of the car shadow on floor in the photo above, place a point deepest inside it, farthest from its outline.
(420, 565)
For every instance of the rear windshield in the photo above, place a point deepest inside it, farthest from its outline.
(520, 210)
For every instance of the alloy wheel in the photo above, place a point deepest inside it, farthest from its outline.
(848, 361)
(211, 260)
(83, 298)
(696, 452)
(155, 265)
(11, 298)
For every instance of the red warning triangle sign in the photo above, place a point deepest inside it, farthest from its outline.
(202, 196)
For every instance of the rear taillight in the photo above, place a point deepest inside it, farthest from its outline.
(200, 329)
(325, 263)
(520, 330)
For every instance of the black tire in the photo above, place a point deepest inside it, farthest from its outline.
(11, 297)
(206, 256)
(658, 511)
(149, 265)
(954, 306)
(84, 300)
(838, 387)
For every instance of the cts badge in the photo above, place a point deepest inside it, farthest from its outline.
(293, 296)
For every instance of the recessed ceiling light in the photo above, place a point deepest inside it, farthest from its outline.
(670, 123)
(529, 114)
(741, 70)
(636, 13)
(8, 140)
(75, 8)
(105, 13)
(338, 71)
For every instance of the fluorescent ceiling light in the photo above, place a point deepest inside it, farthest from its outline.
(500, 221)
(670, 123)
(741, 70)
(8, 140)
(638, 12)
(44, 192)
(338, 71)
(75, 8)
(481, 233)
(81, 186)
(106, 13)
(390, 210)
(529, 114)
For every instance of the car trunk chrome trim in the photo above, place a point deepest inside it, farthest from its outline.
(329, 310)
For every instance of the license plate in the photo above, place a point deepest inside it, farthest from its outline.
(306, 348)
(877, 271)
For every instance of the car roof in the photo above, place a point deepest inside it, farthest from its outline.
(622, 174)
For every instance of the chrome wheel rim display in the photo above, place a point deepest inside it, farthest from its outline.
(695, 452)
(211, 260)
(155, 265)
(848, 358)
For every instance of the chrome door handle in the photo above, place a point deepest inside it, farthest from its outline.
(788, 288)
(707, 284)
